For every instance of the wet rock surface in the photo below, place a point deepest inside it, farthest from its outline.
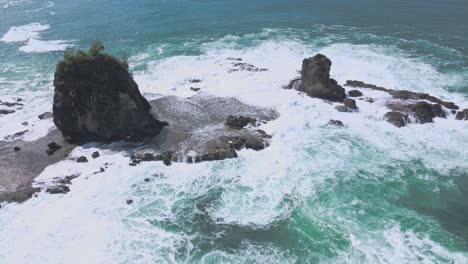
(19, 168)
(462, 115)
(354, 93)
(412, 107)
(242, 66)
(96, 99)
(336, 123)
(397, 119)
(316, 81)
(205, 128)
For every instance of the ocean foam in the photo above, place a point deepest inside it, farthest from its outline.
(29, 36)
(257, 190)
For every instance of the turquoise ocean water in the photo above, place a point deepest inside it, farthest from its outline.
(365, 194)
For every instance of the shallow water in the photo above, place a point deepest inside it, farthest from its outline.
(367, 193)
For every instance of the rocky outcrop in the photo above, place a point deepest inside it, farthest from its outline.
(462, 115)
(205, 128)
(396, 118)
(355, 93)
(316, 81)
(239, 122)
(404, 94)
(96, 99)
(336, 123)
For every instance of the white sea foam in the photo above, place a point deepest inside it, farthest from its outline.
(29, 36)
(259, 188)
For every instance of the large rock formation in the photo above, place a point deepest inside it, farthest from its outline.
(316, 81)
(96, 99)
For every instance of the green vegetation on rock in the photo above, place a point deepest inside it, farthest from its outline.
(72, 57)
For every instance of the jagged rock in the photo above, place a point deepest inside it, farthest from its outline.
(239, 122)
(422, 111)
(404, 94)
(316, 81)
(8, 104)
(6, 112)
(67, 179)
(355, 93)
(462, 115)
(82, 159)
(52, 148)
(344, 109)
(59, 189)
(396, 118)
(365, 85)
(336, 123)
(45, 115)
(166, 157)
(95, 155)
(96, 99)
(350, 103)
(242, 66)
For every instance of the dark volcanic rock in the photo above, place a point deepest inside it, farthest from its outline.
(344, 109)
(59, 189)
(462, 115)
(336, 123)
(95, 155)
(365, 85)
(396, 118)
(195, 89)
(239, 122)
(316, 81)
(422, 111)
(96, 99)
(355, 93)
(242, 66)
(82, 159)
(6, 112)
(350, 103)
(403, 94)
(52, 148)
(45, 115)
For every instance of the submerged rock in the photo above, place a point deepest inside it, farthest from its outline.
(242, 66)
(59, 189)
(96, 99)
(6, 112)
(422, 111)
(316, 81)
(336, 123)
(355, 93)
(462, 115)
(350, 103)
(239, 122)
(396, 118)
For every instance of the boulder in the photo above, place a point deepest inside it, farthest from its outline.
(350, 103)
(355, 93)
(316, 81)
(96, 99)
(396, 118)
(239, 122)
(344, 109)
(6, 112)
(82, 159)
(336, 123)
(52, 148)
(422, 111)
(59, 189)
(462, 115)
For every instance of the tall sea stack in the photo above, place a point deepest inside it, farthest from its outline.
(96, 99)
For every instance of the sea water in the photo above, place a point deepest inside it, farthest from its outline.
(366, 193)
